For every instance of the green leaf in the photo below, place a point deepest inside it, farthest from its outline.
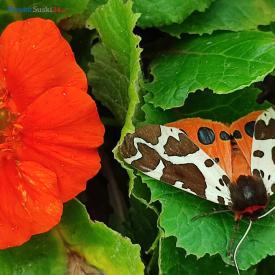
(11, 10)
(110, 85)
(141, 190)
(116, 72)
(115, 69)
(142, 223)
(222, 62)
(43, 254)
(233, 15)
(78, 21)
(5, 16)
(161, 12)
(98, 244)
(212, 234)
(206, 104)
(173, 261)
(152, 267)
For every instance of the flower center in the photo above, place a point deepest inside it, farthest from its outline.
(5, 118)
(9, 131)
(3, 92)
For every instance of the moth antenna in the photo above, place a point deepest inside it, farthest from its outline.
(239, 244)
(268, 212)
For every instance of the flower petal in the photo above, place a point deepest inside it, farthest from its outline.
(64, 116)
(34, 58)
(62, 130)
(30, 202)
(72, 166)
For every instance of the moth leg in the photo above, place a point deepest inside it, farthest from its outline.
(230, 249)
(206, 214)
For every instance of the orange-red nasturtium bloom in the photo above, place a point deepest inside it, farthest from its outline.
(49, 129)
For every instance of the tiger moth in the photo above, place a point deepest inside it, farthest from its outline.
(229, 165)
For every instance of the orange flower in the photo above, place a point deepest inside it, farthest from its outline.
(49, 129)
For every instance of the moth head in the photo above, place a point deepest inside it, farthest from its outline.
(249, 196)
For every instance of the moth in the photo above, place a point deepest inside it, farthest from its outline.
(231, 165)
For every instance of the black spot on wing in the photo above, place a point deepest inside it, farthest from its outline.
(224, 135)
(258, 153)
(273, 154)
(221, 182)
(226, 180)
(209, 163)
(262, 173)
(256, 173)
(221, 200)
(216, 160)
(206, 135)
(237, 134)
(249, 128)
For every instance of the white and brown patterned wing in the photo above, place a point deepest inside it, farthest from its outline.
(263, 149)
(167, 154)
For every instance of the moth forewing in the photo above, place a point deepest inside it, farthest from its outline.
(167, 154)
(263, 149)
